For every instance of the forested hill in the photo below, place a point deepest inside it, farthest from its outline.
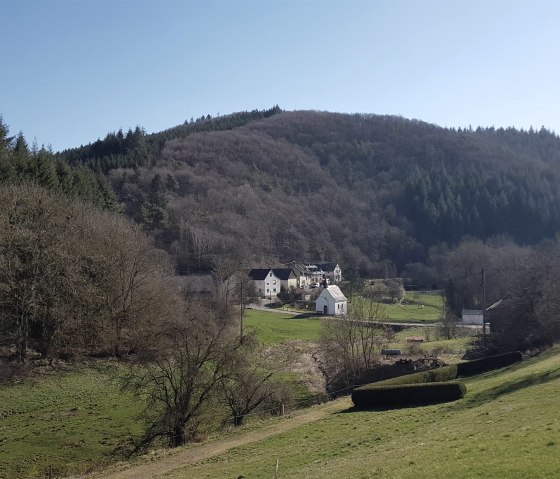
(372, 192)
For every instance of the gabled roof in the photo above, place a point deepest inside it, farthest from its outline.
(257, 274)
(335, 293)
(327, 266)
(283, 273)
(299, 268)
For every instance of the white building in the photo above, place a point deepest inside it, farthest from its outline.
(267, 284)
(331, 302)
(331, 271)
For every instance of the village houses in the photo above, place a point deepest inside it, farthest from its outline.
(268, 282)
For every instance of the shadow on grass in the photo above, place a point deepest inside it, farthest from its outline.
(506, 388)
(354, 409)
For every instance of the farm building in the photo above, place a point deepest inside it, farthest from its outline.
(331, 301)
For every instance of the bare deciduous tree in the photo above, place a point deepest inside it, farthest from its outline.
(182, 379)
(352, 344)
(248, 385)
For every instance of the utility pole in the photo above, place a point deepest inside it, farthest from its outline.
(483, 306)
(242, 310)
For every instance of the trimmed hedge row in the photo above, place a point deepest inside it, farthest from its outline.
(427, 387)
(445, 373)
(408, 394)
(478, 366)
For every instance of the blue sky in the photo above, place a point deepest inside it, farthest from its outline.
(73, 70)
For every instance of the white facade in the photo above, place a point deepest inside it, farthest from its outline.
(336, 274)
(331, 302)
(269, 286)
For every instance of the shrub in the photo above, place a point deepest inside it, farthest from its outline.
(471, 368)
(377, 396)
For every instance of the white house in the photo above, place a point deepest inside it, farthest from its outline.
(267, 284)
(472, 316)
(331, 301)
(316, 274)
(331, 271)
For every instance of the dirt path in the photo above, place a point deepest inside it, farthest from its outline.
(200, 453)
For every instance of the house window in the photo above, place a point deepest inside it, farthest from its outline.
(267, 283)
(274, 290)
(267, 290)
(260, 290)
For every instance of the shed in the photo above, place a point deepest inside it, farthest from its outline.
(472, 316)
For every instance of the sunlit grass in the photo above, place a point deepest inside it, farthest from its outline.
(273, 328)
(64, 422)
(506, 427)
(415, 307)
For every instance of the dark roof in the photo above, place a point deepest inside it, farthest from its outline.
(299, 268)
(257, 274)
(326, 266)
(284, 273)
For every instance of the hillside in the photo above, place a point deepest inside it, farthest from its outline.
(492, 433)
(372, 192)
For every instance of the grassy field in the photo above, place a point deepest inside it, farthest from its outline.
(70, 420)
(273, 328)
(415, 307)
(433, 343)
(506, 427)
(64, 421)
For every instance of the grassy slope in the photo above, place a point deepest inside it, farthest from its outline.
(69, 420)
(273, 328)
(506, 427)
(65, 420)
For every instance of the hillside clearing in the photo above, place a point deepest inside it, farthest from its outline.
(493, 433)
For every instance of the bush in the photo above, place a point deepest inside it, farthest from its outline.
(477, 366)
(377, 396)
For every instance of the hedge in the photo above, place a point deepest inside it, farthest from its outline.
(377, 396)
(478, 366)
(428, 387)
(445, 373)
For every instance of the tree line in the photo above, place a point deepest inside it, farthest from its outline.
(20, 163)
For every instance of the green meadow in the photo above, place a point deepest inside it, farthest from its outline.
(415, 307)
(69, 421)
(64, 422)
(506, 427)
(273, 328)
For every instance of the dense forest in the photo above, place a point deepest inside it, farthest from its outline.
(374, 193)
